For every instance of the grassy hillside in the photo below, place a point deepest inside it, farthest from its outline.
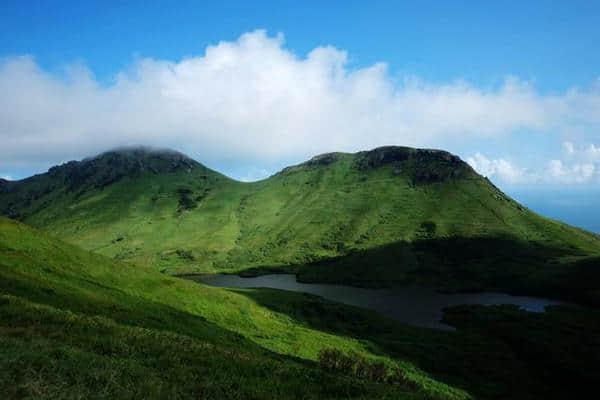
(387, 216)
(77, 324)
(73, 323)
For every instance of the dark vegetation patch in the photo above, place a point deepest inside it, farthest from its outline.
(497, 352)
(185, 200)
(422, 166)
(353, 364)
(119, 238)
(562, 345)
(185, 254)
(322, 160)
(188, 199)
(427, 230)
(465, 264)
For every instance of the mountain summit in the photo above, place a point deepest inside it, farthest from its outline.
(382, 217)
(113, 165)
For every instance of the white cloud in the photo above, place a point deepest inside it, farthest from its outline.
(558, 172)
(6, 177)
(499, 168)
(581, 167)
(592, 153)
(569, 148)
(255, 174)
(589, 153)
(253, 99)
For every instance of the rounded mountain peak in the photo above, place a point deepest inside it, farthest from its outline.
(111, 166)
(141, 158)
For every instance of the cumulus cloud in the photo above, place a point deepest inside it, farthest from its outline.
(254, 174)
(581, 166)
(500, 168)
(254, 99)
(558, 172)
(569, 148)
(589, 153)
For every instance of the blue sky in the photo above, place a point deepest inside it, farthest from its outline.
(549, 42)
(249, 87)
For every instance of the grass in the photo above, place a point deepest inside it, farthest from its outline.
(77, 324)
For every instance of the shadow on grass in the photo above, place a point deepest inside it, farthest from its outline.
(461, 264)
(497, 351)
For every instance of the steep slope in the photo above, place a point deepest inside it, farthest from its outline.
(382, 217)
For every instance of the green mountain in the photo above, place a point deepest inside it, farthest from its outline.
(387, 216)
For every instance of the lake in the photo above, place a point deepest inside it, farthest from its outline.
(418, 306)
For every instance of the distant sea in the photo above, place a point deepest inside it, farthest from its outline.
(578, 206)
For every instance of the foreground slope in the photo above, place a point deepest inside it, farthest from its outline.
(74, 324)
(387, 216)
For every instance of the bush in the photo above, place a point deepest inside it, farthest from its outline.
(361, 370)
(328, 358)
(352, 364)
(185, 254)
(400, 377)
(378, 372)
(346, 362)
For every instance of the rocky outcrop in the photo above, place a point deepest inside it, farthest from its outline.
(423, 166)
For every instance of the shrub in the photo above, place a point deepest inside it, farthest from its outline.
(353, 364)
(328, 358)
(345, 363)
(361, 370)
(378, 372)
(400, 377)
(185, 254)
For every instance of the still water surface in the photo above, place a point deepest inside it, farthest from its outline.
(412, 305)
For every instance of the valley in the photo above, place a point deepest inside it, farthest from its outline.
(413, 305)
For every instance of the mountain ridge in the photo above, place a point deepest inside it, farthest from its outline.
(388, 216)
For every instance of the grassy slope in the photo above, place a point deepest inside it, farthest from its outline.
(388, 216)
(77, 324)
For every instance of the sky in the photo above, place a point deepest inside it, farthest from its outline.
(248, 88)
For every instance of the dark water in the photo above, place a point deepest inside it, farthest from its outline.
(412, 305)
